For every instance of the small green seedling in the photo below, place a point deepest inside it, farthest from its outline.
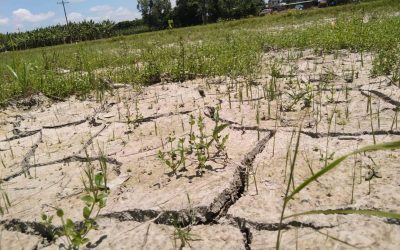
(199, 143)
(95, 185)
(175, 157)
(218, 128)
(184, 234)
(202, 146)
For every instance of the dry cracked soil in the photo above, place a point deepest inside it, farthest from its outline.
(236, 201)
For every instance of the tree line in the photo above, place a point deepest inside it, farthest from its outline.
(71, 33)
(156, 14)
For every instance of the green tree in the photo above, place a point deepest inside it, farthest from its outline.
(186, 12)
(239, 8)
(214, 12)
(191, 12)
(3, 42)
(155, 13)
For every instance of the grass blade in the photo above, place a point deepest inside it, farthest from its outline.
(13, 72)
(285, 202)
(367, 212)
(336, 239)
(335, 163)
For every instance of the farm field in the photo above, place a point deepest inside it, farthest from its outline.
(208, 137)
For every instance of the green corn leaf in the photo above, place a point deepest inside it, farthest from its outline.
(335, 163)
(376, 213)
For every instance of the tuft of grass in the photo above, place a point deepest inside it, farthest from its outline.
(184, 234)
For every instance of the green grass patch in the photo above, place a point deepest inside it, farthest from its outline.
(228, 48)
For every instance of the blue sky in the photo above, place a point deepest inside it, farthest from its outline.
(29, 14)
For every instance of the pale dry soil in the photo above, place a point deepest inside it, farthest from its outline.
(45, 145)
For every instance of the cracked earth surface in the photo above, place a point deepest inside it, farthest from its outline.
(45, 145)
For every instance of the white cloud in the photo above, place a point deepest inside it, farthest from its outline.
(75, 17)
(99, 13)
(103, 12)
(4, 21)
(101, 8)
(76, 1)
(24, 15)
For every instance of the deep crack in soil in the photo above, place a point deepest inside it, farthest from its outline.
(381, 95)
(204, 215)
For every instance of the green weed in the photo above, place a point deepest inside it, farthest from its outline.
(95, 186)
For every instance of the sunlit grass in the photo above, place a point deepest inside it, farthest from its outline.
(228, 48)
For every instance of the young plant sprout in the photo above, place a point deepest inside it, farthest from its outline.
(199, 145)
(96, 192)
